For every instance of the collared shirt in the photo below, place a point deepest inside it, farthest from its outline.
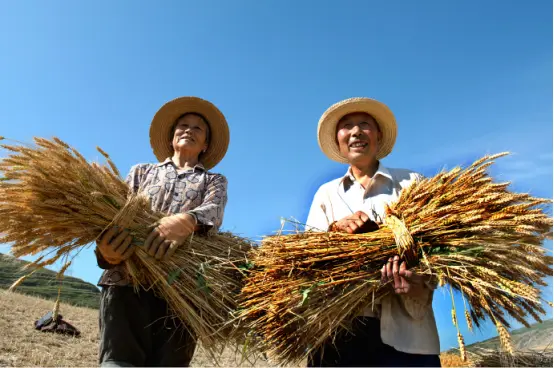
(407, 324)
(171, 190)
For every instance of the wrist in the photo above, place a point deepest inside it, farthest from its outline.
(192, 218)
(186, 217)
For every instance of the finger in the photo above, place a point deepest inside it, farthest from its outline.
(405, 273)
(125, 244)
(351, 228)
(162, 249)
(413, 278)
(363, 216)
(172, 248)
(405, 285)
(163, 230)
(359, 223)
(155, 245)
(389, 270)
(128, 253)
(396, 277)
(119, 239)
(148, 242)
(107, 236)
(383, 274)
(341, 226)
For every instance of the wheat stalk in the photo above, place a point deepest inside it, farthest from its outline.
(459, 226)
(53, 202)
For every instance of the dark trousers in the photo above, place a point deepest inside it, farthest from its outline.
(363, 347)
(135, 331)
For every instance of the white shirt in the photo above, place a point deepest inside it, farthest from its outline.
(407, 324)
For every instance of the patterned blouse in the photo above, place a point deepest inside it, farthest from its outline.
(171, 190)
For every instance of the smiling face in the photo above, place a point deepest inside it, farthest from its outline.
(359, 137)
(190, 134)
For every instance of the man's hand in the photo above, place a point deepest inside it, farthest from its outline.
(115, 245)
(404, 281)
(171, 232)
(356, 223)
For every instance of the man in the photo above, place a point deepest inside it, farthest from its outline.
(188, 136)
(401, 331)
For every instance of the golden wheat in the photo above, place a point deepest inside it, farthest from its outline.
(458, 227)
(53, 202)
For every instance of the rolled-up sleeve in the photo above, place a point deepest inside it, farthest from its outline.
(210, 212)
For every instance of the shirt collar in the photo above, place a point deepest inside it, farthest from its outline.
(169, 161)
(348, 179)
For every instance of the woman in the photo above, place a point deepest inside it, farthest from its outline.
(401, 330)
(189, 136)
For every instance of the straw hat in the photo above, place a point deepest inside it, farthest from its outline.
(327, 127)
(163, 121)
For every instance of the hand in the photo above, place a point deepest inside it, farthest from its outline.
(356, 223)
(404, 281)
(114, 245)
(171, 232)
(177, 227)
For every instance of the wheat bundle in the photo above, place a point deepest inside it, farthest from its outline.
(458, 227)
(53, 203)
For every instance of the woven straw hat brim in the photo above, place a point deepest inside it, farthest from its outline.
(327, 126)
(167, 115)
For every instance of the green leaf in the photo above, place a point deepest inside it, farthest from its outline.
(201, 282)
(246, 266)
(306, 292)
(173, 276)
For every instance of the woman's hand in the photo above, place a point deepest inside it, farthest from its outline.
(115, 245)
(170, 233)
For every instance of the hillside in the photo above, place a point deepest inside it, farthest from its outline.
(538, 337)
(43, 284)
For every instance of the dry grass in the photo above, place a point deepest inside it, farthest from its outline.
(22, 346)
(454, 360)
(458, 227)
(53, 203)
(495, 358)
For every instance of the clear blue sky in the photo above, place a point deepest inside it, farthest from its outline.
(464, 78)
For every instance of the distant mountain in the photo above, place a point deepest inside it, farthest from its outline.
(43, 283)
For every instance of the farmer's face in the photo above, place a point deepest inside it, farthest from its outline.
(359, 138)
(190, 135)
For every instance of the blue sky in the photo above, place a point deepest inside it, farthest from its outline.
(464, 78)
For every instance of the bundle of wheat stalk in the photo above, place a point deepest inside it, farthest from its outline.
(54, 203)
(459, 227)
